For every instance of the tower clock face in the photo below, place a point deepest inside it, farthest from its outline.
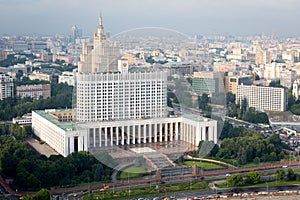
(124, 65)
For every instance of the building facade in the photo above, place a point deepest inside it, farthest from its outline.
(207, 82)
(263, 98)
(231, 82)
(34, 91)
(115, 96)
(6, 86)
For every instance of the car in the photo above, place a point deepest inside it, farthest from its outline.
(227, 175)
(284, 166)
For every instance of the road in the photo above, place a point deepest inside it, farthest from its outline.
(209, 175)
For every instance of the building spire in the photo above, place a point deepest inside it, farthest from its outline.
(100, 26)
(100, 20)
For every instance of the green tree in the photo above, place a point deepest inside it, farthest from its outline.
(252, 177)
(291, 175)
(280, 174)
(43, 194)
(230, 98)
(235, 180)
(242, 156)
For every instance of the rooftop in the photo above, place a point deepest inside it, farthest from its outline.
(67, 126)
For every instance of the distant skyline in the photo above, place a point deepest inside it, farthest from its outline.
(204, 17)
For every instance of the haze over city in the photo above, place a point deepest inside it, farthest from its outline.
(45, 17)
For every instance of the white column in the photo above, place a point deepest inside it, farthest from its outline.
(190, 133)
(139, 134)
(150, 133)
(100, 136)
(122, 140)
(176, 131)
(155, 132)
(166, 132)
(117, 135)
(145, 134)
(195, 136)
(128, 134)
(133, 134)
(105, 130)
(171, 131)
(160, 132)
(182, 131)
(111, 136)
(94, 135)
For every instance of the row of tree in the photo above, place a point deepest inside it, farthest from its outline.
(251, 146)
(244, 112)
(253, 177)
(244, 145)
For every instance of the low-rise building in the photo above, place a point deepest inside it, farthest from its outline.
(34, 91)
(66, 136)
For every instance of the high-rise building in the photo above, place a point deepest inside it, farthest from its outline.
(6, 86)
(117, 107)
(208, 82)
(263, 57)
(262, 98)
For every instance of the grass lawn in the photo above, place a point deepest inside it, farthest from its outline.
(204, 165)
(132, 172)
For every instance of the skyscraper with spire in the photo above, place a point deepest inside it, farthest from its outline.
(102, 56)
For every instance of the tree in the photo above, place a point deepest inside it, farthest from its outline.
(19, 74)
(43, 194)
(235, 180)
(230, 98)
(242, 156)
(280, 174)
(291, 175)
(253, 177)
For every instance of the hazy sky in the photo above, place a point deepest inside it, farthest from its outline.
(238, 17)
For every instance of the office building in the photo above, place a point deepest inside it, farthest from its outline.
(6, 86)
(262, 98)
(34, 91)
(208, 82)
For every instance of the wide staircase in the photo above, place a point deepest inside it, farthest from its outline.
(158, 161)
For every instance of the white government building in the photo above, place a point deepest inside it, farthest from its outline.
(117, 107)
